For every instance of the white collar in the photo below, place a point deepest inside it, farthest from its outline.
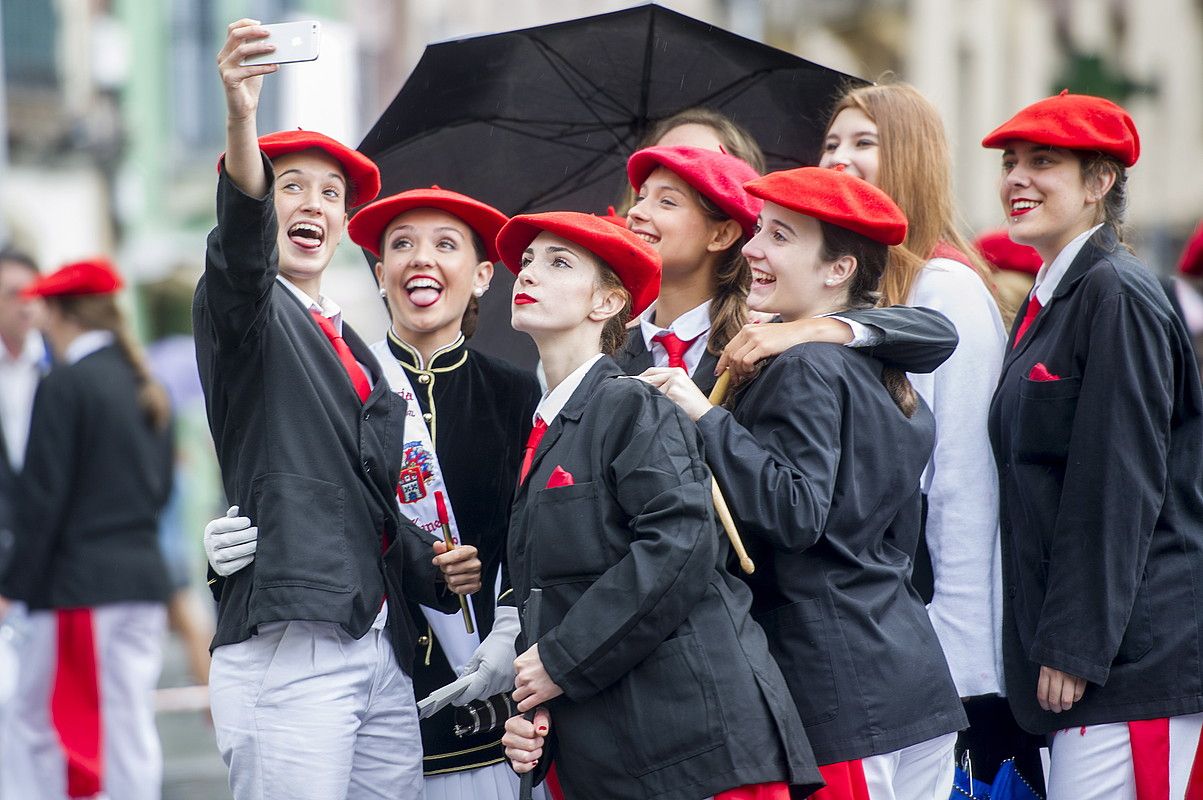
(1050, 275)
(323, 305)
(553, 402)
(689, 326)
(86, 344)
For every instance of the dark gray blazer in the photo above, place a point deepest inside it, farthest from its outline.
(1102, 498)
(314, 467)
(821, 470)
(670, 691)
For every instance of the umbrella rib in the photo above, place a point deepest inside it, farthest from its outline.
(545, 50)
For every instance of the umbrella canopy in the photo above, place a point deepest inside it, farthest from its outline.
(545, 118)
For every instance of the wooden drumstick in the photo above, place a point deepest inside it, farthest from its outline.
(717, 394)
(445, 522)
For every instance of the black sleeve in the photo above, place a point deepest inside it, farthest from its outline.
(779, 486)
(658, 480)
(522, 422)
(410, 557)
(44, 486)
(911, 339)
(241, 263)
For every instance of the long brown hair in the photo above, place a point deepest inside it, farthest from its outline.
(731, 281)
(872, 264)
(915, 169)
(100, 312)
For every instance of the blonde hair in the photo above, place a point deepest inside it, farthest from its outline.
(915, 169)
(732, 277)
(95, 312)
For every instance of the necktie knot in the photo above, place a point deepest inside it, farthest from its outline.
(674, 346)
(532, 444)
(345, 356)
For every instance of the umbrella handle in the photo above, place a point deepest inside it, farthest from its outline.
(717, 395)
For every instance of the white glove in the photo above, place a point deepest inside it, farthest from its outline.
(230, 542)
(492, 665)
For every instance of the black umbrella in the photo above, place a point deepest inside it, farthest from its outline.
(545, 118)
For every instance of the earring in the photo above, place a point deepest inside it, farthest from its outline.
(382, 293)
(829, 282)
(479, 291)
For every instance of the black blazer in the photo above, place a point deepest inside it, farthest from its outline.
(821, 470)
(8, 500)
(670, 691)
(314, 467)
(96, 476)
(1102, 498)
(912, 339)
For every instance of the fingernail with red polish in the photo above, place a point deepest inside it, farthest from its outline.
(541, 730)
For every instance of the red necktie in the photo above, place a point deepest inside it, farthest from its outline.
(532, 444)
(1033, 309)
(674, 346)
(354, 372)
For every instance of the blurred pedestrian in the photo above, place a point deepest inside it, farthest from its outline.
(1097, 426)
(87, 563)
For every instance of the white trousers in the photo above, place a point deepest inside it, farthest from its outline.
(129, 640)
(495, 782)
(303, 711)
(1150, 760)
(923, 771)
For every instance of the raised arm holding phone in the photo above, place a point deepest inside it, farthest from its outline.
(310, 691)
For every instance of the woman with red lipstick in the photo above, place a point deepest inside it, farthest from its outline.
(649, 676)
(1097, 425)
(469, 414)
(820, 458)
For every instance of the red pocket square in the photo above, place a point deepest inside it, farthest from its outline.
(559, 477)
(1041, 373)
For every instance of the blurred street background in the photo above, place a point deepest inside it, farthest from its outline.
(115, 118)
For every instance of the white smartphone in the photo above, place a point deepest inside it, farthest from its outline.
(294, 41)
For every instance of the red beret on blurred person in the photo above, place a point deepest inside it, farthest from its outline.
(361, 171)
(834, 196)
(998, 249)
(1191, 262)
(635, 262)
(718, 177)
(92, 276)
(1075, 122)
(370, 222)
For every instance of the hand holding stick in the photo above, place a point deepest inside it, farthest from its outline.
(717, 394)
(445, 522)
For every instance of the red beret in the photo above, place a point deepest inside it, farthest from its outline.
(94, 276)
(1075, 122)
(997, 248)
(719, 177)
(635, 262)
(362, 173)
(1191, 262)
(834, 196)
(370, 222)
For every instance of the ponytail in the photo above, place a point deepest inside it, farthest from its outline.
(100, 312)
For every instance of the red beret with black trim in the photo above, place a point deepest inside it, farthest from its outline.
(635, 262)
(370, 222)
(1191, 262)
(1075, 122)
(997, 248)
(93, 276)
(835, 196)
(361, 172)
(719, 177)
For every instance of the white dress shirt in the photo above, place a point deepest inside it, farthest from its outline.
(553, 402)
(86, 344)
(693, 324)
(1050, 275)
(19, 376)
